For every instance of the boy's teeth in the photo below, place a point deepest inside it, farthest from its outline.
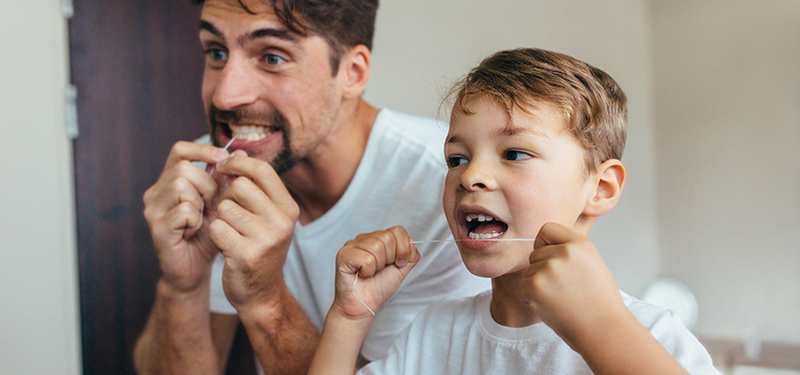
(479, 217)
(250, 133)
(483, 236)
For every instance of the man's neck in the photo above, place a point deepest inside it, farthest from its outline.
(318, 182)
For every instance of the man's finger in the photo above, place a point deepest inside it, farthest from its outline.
(194, 152)
(263, 175)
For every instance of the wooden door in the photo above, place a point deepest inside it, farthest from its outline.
(137, 65)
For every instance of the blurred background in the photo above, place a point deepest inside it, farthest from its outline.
(713, 155)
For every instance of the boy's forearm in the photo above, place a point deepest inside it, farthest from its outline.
(624, 346)
(339, 345)
(177, 338)
(282, 336)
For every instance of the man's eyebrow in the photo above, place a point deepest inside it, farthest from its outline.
(282, 34)
(207, 26)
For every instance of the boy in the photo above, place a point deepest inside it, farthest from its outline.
(533, 152)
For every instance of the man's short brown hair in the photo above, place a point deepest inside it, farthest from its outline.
(343, 23)
(592, 104)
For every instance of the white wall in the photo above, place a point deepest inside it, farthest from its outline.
(418, 42)
(38, 284)
(727, 108)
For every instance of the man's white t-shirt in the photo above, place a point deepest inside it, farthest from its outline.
(398, 182)
(461, 337)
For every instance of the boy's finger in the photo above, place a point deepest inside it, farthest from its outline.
(352, 260)
(552, 233)
(403, 246)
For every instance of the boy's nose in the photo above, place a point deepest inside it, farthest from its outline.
(476, 177)
(236, 87)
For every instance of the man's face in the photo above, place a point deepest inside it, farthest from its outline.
(270, 89)
(505, 182)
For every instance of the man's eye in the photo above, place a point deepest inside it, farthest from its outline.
(455, 161)
(516, 155)
(273, 59)
(217, 54)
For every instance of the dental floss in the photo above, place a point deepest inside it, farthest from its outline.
(435, 241)
(211, 172)
(359, 298)
(485, 239)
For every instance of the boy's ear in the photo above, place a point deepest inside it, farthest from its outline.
(354, 64)
(609, 180)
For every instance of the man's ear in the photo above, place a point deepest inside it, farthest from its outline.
(608, 182)
(355, 65)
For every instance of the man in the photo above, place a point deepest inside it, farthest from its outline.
(314, 165)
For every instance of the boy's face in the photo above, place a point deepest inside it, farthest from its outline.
(507, 179)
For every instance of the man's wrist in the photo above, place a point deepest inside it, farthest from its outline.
(271, 305)
(167, 291)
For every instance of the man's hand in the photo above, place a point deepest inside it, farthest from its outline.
(569, 286)
(381, 260)
(256, 216)
(174, 209)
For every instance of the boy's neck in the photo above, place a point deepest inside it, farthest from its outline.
(506, 306)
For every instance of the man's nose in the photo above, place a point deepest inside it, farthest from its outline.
(237, 86)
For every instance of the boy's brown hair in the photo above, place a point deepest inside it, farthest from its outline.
(592, 104)
(342, 23)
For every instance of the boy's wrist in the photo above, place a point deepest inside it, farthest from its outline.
(340, 317)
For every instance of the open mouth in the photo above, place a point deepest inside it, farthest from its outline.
(248, 132)
(483, 227)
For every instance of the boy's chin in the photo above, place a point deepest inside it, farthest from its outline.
(486, 267)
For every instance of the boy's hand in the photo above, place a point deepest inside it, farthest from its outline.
(569, 286)
(382, 259)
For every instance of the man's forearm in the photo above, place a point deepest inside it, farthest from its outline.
(177, 338)
(282, 336)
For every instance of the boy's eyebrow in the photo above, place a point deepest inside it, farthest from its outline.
(512, 130)
(453, 139)
(282, 34)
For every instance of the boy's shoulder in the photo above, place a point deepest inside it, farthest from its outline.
(658, 320)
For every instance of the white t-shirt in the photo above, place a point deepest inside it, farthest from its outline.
(398, 182)
(460, 337)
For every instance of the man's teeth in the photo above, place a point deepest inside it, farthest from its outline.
(250, 133)
(482, 236)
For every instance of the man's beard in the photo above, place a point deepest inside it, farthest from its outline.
(284, 160)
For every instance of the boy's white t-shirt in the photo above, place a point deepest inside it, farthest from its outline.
(398, 182)
(460, 337)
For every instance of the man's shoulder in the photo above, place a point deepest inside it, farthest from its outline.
(397, 133)
(420, 129)
(205, 139)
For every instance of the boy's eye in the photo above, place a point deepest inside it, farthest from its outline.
(455, 161)
(516, 155)
(271, 59)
